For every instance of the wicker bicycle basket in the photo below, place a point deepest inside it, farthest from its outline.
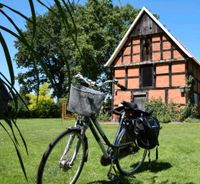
(85, 101)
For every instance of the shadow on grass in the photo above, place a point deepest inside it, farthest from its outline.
(118, 180)
(154, 166)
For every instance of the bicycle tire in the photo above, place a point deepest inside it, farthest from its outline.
(52, 170)
(130, 158)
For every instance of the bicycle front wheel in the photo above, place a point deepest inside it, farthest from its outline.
(131, 157)
(63, 160)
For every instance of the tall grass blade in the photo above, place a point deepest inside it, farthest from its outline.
(48, 8)
(69, 9)
(9, 123)
(22, 137)
(33, 18)
(13, 91)
(10, 32)
(8, 59)
(17, 151)
(15, 11)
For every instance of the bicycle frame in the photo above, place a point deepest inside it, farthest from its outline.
(92, 126)
(99, 134)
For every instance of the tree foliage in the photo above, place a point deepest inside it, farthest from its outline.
(99, 27)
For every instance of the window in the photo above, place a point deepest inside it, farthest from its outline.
(147, 76)
(146, 49)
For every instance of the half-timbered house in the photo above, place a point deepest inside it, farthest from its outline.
(153, 64)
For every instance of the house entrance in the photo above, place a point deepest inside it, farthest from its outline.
(140, 99)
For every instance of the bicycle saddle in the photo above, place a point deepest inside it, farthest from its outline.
(124, 105)
(131, 105)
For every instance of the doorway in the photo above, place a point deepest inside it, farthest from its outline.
(140, 100)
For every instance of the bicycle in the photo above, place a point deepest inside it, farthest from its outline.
(64, 159)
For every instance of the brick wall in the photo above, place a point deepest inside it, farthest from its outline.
(166, 85)
(121, 96)
(156, 94)
(174, 96)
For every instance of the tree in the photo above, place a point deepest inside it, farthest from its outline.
(99, 27)
(48, 53)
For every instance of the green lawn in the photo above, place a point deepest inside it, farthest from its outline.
(179, 154)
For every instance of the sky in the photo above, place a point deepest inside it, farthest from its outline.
(180, 17)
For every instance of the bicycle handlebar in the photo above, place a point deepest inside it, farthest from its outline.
(123, 88)
(86, 80)
(93, 83)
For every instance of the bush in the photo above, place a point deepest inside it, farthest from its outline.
(104, 117)
(53, 111)
(172, 112)
(158, 109)
(41, 105)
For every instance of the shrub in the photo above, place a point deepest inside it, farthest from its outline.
(41, 106)
(172, 112)
(158, 109)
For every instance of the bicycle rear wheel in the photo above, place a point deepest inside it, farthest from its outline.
(131, 157)
(63, 160)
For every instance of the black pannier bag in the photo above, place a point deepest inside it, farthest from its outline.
(147, 132)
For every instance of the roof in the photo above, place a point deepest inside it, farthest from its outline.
(124, 39)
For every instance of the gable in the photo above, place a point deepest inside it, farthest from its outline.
(161, 49)
(146, 24)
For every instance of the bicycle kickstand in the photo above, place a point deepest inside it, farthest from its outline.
(113, 176)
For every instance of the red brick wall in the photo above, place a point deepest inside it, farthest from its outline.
(122, 96)
(156, 94)
(156, 48)
(133, 72)
(178, 80)
(126, 53)
(133, 83)
(161, 69)
(162, 81)
(165, 85)
(119, 72)
(178, 67)
(174, 96)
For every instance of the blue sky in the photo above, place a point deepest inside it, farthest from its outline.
(181, 18)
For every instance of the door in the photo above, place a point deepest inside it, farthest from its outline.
(140, 100)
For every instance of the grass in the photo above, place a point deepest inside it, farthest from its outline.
(179, 155)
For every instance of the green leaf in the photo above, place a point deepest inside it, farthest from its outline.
(22, 137)
(17, 151)
(33, 17)
(8, 59)
(10, 32)
(17, 12)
